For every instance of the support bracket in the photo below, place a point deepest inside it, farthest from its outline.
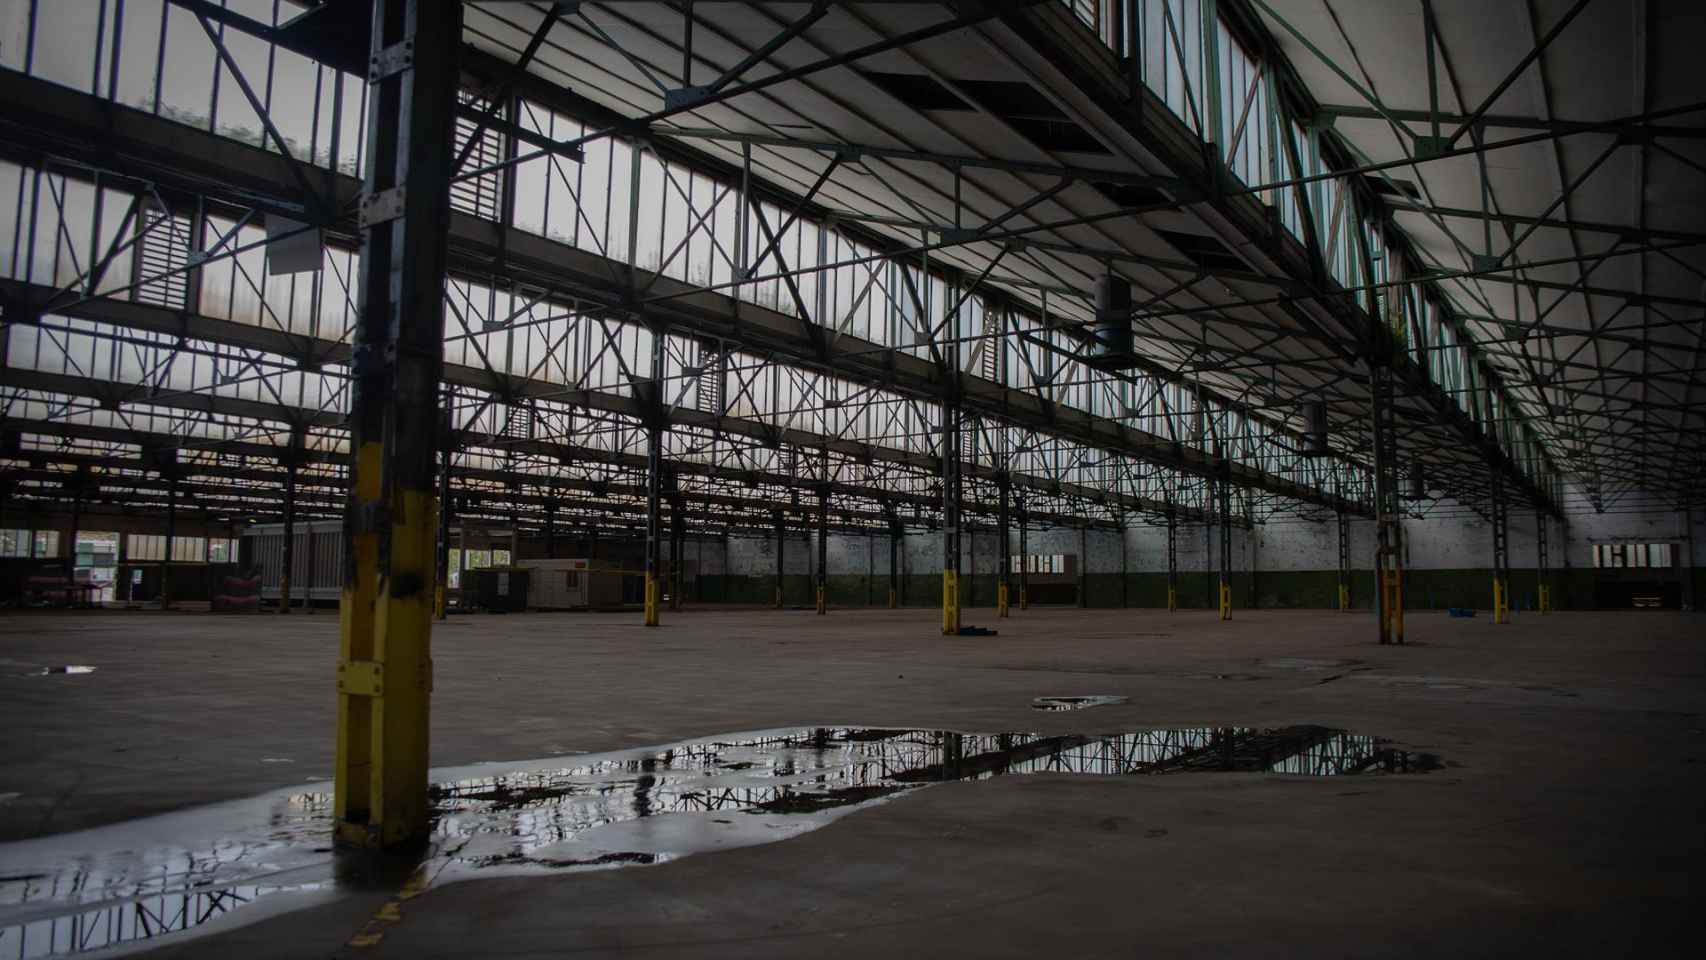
(381, 207)
(392, 60)
(361, 678)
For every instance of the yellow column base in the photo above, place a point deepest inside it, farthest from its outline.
(950, 603)
(893, 600)
(1225, 600)
(439, 599)
(1172, 599)
(1392, 597)
(1344, 597)
(822, 601)
(1024, 598)
(1545, 599)
(284, 595)
(651, 600)
(1001, 600)
(1501, 601)
(778, 598)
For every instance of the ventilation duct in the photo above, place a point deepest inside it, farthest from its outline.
(1315, 429)
(1418, 484)
(1110, 334)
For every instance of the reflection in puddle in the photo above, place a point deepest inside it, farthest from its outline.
(69, 668)
(135, 881)
(1075, 703)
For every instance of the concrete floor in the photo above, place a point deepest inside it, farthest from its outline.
(1567, 820)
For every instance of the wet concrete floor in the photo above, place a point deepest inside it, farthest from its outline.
(176, 875)
(1564, 821)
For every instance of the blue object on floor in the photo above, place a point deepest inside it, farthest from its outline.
(1460, 611)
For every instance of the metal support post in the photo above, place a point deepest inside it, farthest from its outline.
(1125, 598)
(1344, 524)
(1389, 538)
(1084, 565)
(308, 565)
(1222, 494)
(82, 479)
(384, 664)
(551, 530)
(1024, 558)
(654, 480)
(1004, 553)
(677, 551)
(171, 538)
(951, 514)
(1172, 562)
(968, 536)
(781, 547)
(822, 580)
(1543, 572)
(441, 546)
(292, 457)
(894, 562)
(1501, 552)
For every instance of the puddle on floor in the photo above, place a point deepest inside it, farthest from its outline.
(193, 870)
(68, 668)
(1076, 703)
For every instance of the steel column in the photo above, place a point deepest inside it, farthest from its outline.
(1024, 557)
(894, 562)
(1004, 557)
(951, 512)
(822, 576)
(441, 546)
(1501, 551)
(1084, 565)
(968, 536)
(292, 458)
(1125, 596)
(1344, 525)
(1223, 507)
(781, 548)
(1389, 535)
(385, 667)
(1543, 572)
(308, 595)
(1172, 561)
(677, 551)
(171, 537)
(654, 479)
(81, 480)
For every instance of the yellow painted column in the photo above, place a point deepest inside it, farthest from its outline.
(385, 670)
(1344, 597)
(1398, 605)
(1225, 600)
(950, 602)
(651, 600)
(893, 600)
(1172, 598)
(822, 600)
(1545, 598)
(1001, 600)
